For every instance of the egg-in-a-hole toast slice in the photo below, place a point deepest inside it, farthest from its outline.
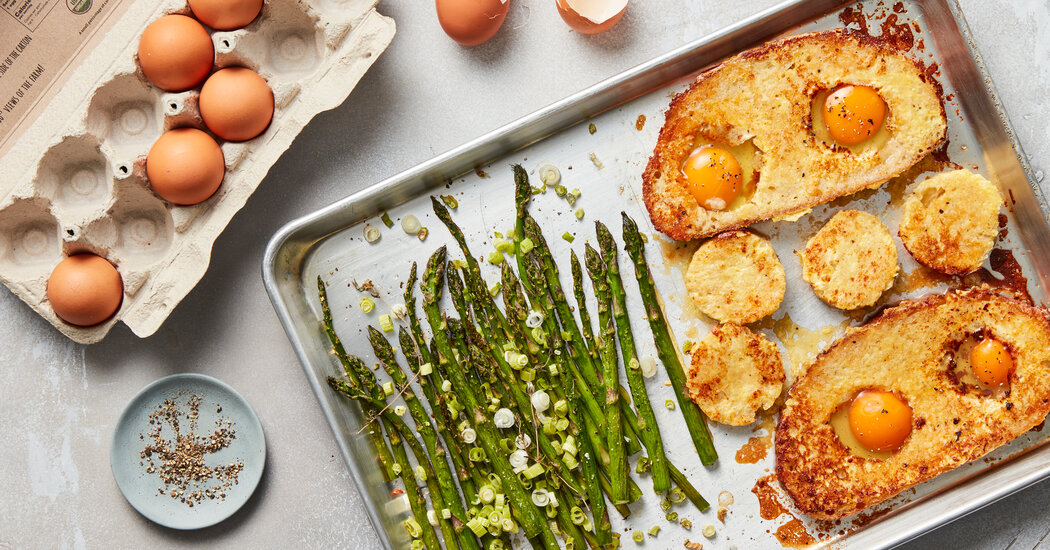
(770, 96)
(905, 351)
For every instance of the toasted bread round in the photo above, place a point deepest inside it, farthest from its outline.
(908, 350)
(851, 261)
(736, 277)
(735, 373)
(764, 96)
(949, 223)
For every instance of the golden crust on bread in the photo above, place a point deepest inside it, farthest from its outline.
(734, 373)
(851, 261)
(906, 350)
(764, 95)
(736, 277)
(950, 222)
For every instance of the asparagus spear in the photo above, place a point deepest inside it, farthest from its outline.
(522, 197)
(517, 311)
(593, 429)
(413, 319)
(605, 340)
(580, 354)
(665, 344)
(415, 498)
(466, 479)
(449, 493)
(575, 339)
(472, 263)
(581, 305)
(589, 457)
(375, 434)
(352, 388)
(532, 522)
(651, 437)
(524, 406)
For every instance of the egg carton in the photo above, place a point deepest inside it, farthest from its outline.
(76, 182)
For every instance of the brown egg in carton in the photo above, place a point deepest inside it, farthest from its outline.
(76, 180)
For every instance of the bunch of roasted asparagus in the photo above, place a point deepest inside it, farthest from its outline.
(525, 401)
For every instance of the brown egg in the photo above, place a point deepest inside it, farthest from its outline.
(85, 290)
(176, 53)
(226, 15)
(591, 16)
(471, 22)
(236, 104)
(185, 166)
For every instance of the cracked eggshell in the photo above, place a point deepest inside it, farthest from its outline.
(591, 16)
(75, 181)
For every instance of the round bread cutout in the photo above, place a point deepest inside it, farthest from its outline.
(851, 261)
(736, 277)
(950, 222)
(735, 373)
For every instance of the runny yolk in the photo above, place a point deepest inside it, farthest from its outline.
(879, 420)
(853, 113)
(713, 176)
(991, 362)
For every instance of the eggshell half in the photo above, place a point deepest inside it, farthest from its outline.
(591, 16)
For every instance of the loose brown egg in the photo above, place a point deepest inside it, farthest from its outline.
(226, 15)
(85, 290)
(591, 16)
(471, 22)
(176, 53)
(185, 166)
(236, 104)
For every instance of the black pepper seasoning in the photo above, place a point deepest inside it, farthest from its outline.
(179, 459)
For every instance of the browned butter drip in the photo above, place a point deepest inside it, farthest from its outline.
(757, 448)
(769, 506)
(793, 534)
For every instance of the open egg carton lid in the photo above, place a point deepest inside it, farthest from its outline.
(73, 178)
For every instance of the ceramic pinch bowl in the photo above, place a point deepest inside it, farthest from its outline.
(220, 406)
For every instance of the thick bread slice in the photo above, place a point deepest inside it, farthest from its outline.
(906, 350)
(765, 95)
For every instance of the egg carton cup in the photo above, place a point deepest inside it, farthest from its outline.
(76, 181)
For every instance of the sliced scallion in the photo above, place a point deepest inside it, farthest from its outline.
(410, 224)
(372, 233)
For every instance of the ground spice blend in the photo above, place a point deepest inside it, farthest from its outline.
(179, 458)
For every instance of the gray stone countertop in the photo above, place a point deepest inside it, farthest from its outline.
(59, 400)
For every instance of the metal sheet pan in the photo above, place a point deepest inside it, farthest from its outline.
(330, 243)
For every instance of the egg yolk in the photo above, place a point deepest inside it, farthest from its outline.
(853, 113)
(713, 176)
(991, 362)
(879, 420)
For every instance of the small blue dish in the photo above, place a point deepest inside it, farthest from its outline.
(218, 401)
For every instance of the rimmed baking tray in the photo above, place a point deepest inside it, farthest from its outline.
(606, 164)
